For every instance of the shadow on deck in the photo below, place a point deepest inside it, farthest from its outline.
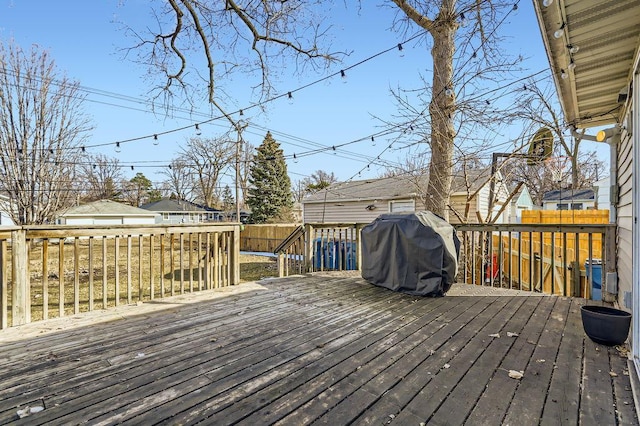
(325, 349)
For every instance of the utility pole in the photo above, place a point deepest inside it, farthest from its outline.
(239, 128)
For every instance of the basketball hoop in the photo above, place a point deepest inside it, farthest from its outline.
(559, 167)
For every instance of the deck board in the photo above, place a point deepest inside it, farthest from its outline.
(319, 349)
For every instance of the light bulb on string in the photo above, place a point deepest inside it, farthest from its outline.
(290, 97)
(334, 149)
(198, 131)
(241, 113)
(373, 141)
(571, 66)
(400, 50)
(563, 74)
(560, 31)
(155, 140)
(573, 49)
(343, 76)
(295, 158)
(131, 167)
(118, 147)
(547, 3)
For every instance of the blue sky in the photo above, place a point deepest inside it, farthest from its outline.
(86, 43)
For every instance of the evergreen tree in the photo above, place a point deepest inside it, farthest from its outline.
(228, 201)
(270, 187)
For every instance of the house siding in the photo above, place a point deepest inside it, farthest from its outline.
(347, 212)
(624, 238)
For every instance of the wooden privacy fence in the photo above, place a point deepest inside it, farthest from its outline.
(264, 238)
(61, 270)
(553, 259)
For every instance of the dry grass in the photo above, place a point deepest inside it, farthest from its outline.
(178, 274)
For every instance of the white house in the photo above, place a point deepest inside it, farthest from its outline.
(569, 199)
(593, 48)
(106, 212)
(180, 211)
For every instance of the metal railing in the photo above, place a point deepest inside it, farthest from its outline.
(53, 271)
(553, 259)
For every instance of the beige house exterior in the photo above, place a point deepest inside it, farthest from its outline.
(364, 200)
(593, 48)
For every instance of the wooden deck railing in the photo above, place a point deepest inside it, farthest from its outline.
(53, 271)
(553, 259)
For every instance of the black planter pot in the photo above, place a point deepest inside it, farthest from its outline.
(604, 325)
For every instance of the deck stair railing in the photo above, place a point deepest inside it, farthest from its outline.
(317, 247)
(53, 271)
(563, 259)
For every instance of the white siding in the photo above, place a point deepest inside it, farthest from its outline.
(142, 220)
(625, 219)
(345, 212)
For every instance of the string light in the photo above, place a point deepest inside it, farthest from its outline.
(118, 147)
(198, 131)
(560, 31)
(563, 74)
(155, 140)
(82, 148)
(547, 3)
(571, 66)
(295, 158)
(573, 49)
(290, 96)
(241, 113)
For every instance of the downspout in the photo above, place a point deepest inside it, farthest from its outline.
(610, 136)
(610, 276)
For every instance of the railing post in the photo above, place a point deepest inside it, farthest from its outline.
(609, 289)
(308, 248)
(359, 246)
(281, 273)
(235, 255)
(21, 292)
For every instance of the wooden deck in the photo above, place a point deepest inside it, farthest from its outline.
(321, 349)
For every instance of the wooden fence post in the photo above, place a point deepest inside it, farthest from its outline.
(21, 291)
(308, 248)
(235, 256)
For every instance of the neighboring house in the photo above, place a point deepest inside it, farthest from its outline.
(363, 201)
(106, 212)
(599, 85)
(602, 189)
(520, 202)
(569, 199)
(180, 211)
(5, 208)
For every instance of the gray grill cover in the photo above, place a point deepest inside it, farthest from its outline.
(413, 253)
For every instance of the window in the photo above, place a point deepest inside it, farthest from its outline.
(402, 206)
(165, 216)
(563, 206)
(577, 206)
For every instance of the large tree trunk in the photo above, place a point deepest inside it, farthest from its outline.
(441, 110)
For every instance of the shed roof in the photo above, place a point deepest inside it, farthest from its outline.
(569, 195)
(106, 208)
(170, 205)
(396, 187)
